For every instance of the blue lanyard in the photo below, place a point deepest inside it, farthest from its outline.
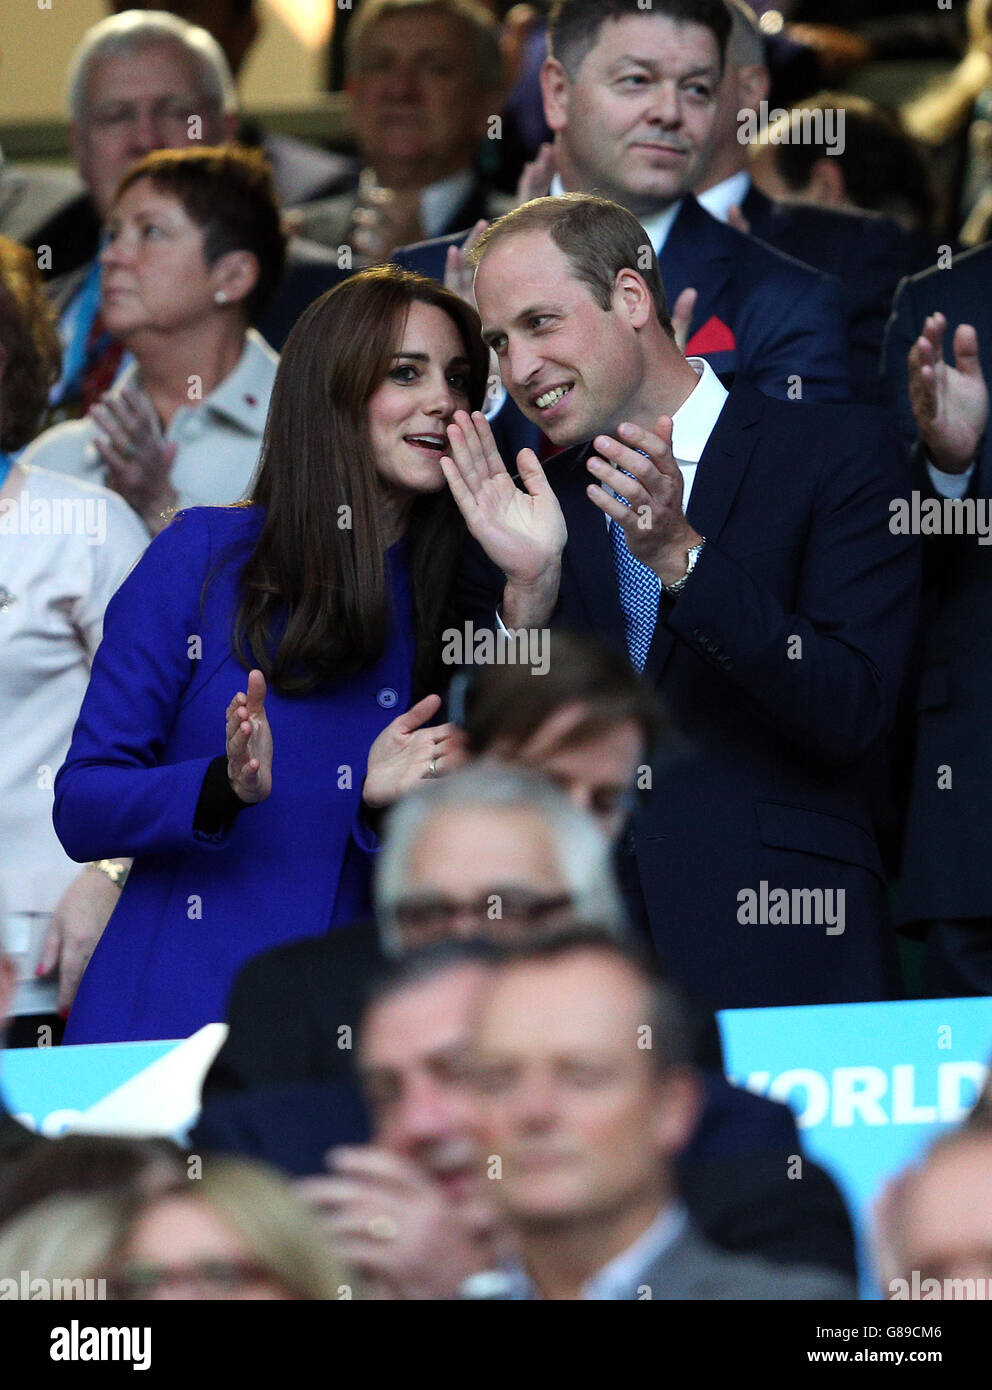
(77, 320)
(6, 463)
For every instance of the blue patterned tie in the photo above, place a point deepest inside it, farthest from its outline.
(639, 594)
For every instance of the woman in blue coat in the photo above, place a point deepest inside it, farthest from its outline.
(331, 590)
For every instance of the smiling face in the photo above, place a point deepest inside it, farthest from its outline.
(573, 368)
(417, 105)
(427, 381)
(412, 1061)
(136, 103)
(637, 122)
(155, 276)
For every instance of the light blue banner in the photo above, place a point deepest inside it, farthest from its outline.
(871, 1085)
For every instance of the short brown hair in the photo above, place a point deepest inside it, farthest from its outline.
(228, 192)
(574, 25)
(30, 343)
(510, 704)
(599, 239)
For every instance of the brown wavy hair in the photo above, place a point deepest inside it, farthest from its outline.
(30, 345)
(315, 604)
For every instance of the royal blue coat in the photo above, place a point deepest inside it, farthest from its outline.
(196, 907)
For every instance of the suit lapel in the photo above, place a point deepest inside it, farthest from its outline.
(718, 478)
(695, 254)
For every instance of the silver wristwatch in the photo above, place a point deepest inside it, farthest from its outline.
(694, 554)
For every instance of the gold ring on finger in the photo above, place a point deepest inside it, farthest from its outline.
(383, 1228)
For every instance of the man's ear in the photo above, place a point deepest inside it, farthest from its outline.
(680, 1103)
(827, 185)
(79, 146)
(632, 296)
(236, 274)
(230, 126)
(555, 85)
(753, 85)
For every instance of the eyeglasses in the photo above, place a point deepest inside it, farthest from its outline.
(500, 913)
(211, 1278)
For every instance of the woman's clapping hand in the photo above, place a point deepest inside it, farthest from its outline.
(405, 752)
(249, 743)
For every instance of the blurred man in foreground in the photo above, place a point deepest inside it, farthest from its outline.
(585, 1099)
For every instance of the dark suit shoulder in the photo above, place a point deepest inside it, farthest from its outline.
(302, 960)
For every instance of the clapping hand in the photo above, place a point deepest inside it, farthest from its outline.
(249, 743)
(950, 404)
(383, 219)
(404, 753)
(138, 458)
(535, 179)
(654, 524)
(458, 274)
(682, 311)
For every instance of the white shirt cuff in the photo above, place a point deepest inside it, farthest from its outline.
(954, 485)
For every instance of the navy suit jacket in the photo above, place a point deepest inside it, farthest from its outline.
(946, 868)
(782, 661)
(868, 254)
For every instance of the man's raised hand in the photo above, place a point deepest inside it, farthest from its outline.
(654, 523)
(950, 404)
(521, 532)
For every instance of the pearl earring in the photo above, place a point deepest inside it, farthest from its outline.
(220, 297)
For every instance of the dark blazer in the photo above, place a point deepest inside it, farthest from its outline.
(867, 253)
(73, 234)
(760, 315)
(287, 1008)
(291, 1126)
(946, 868)
(783, 750)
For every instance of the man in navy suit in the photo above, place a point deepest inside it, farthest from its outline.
(868, 253)
(939, 359)
(741, 548)
(632, 98)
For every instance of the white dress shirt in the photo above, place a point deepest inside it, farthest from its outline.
(218, 438)
(727, 194)
(440, 201)
(656, 224)
(65, 547)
